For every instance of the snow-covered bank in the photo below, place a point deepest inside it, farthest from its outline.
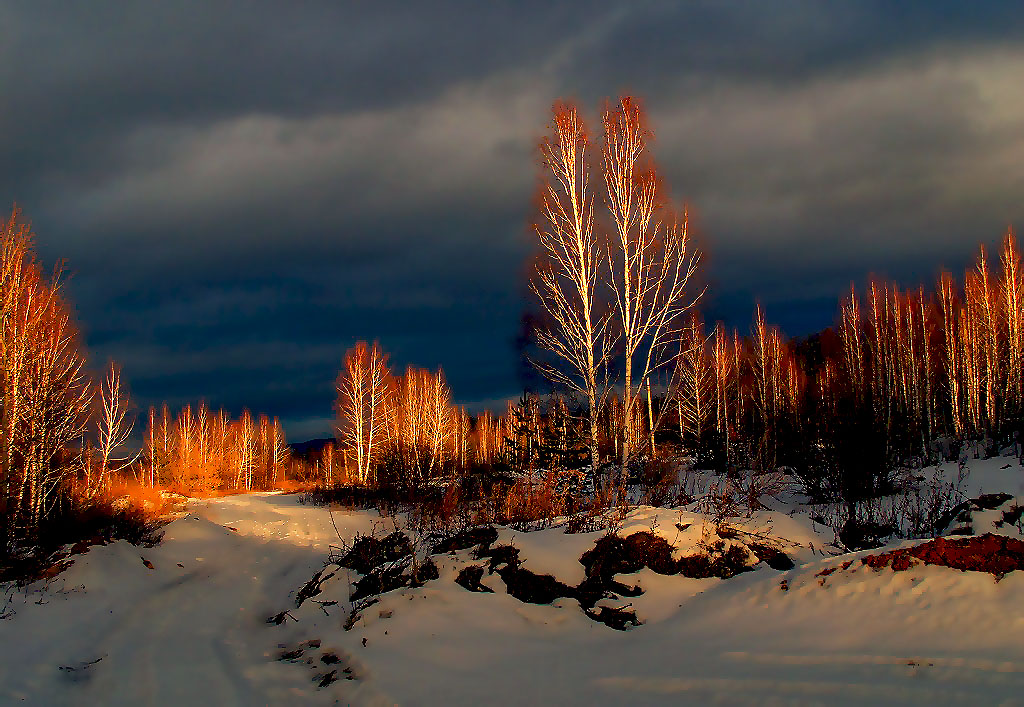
(193, 629)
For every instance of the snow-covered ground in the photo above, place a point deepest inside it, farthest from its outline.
(185, 622)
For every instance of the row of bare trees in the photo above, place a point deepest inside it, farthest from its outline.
(615, 283)
(404, 430)
(200, 450)
(65, 437)
(46, 395)
(404, 426)
(903, 376)
(61, 433)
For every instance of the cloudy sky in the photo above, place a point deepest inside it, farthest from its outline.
(242, 190)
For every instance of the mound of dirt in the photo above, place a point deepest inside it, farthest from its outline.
(425, 572)
(469, 578)
(524, 585)
(611, 555)
(722, 563)
(498, 556)
(533, 588)
(388, 577)
(776, 559)
(995, 554)
(368, 552)
(380, 580)
(619, 619)
(1013, 516)
(465, 539)
(959, 520)
(614, 554)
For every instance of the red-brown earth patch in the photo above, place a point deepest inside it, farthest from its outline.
(995, 554)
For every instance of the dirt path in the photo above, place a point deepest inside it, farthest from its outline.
(192, 630)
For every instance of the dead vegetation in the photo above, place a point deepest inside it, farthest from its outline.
(80, 525)
(465, 539)
(469, 578)
(612, 555)
(305, 654)
(959, 520)
(369, 553)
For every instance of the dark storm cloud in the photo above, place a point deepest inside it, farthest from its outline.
(242, 191)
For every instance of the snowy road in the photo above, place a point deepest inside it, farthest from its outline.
(192, 630)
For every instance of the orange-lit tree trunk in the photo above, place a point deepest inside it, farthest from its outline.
(695, 381)
(649, 263)
(984, 303)
(725, 375)
(279, 454)
(951, 351)
(566, 273)
(363, 406)
(769, 367)
(113, 429)
(971, 356)
(423, 424)
(1012, 305)
(44, 395)
(245, 451)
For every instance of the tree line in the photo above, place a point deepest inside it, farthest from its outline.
(636, 376)
(66, 433)
(200, 450)
(903, 377)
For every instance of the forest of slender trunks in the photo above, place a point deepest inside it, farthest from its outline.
(639, 385)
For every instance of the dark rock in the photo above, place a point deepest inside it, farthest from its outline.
(619, 619)
(465, 539)
(368, 552)
(776, 559)
(470, 577)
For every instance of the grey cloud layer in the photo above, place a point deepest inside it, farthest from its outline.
(242, 194)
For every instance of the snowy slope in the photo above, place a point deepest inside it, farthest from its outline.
(111, 630)
(172, 634)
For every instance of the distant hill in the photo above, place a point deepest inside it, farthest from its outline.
(309, 448)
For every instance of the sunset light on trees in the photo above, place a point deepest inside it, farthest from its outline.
(424, 354)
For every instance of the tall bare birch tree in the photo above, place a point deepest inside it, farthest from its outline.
(113, 430)
(1012, 301)
(244, 451)
(695, 373)
(650, 263)
(279, 453)
(952, 366)
(566, 275)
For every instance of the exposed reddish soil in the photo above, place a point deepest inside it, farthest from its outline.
(990, 553)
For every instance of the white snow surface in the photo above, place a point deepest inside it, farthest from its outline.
(193, 629)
